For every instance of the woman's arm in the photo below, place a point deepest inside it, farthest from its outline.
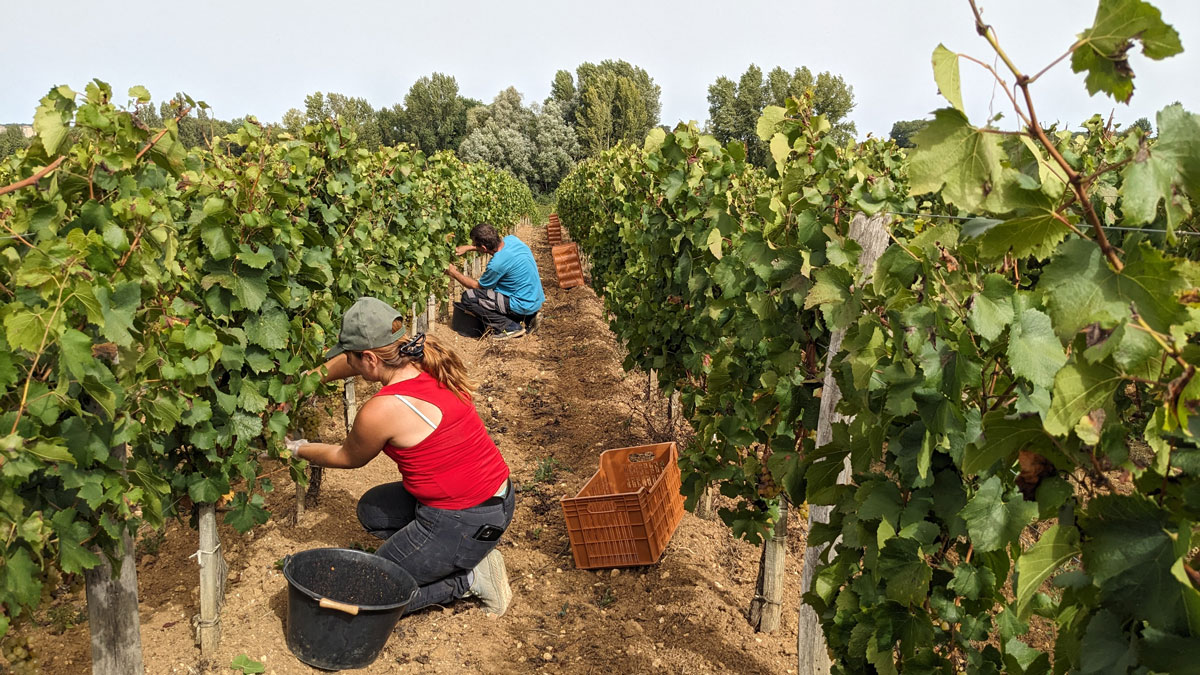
(369, 435)
(337, 368)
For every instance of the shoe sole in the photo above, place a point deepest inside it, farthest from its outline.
(508, 336)
(498, 573)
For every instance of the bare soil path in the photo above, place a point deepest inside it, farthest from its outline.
(552, 401)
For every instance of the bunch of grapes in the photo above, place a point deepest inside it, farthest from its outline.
(307, 420)
(20, 656)
(767, 487)
(50, 585)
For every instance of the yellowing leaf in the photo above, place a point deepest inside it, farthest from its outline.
(945, 73)
(714, 242)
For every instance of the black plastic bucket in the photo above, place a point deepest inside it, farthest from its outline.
(343, 605)
(465, 323)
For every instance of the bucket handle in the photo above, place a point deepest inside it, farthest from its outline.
(326, 603)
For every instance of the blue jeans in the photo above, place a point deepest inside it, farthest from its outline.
(436, 546)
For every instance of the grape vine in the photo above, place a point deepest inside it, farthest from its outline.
(160, 307)
(1019, 378)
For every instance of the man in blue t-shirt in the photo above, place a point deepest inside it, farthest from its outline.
(509, 292)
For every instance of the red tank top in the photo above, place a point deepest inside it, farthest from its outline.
(457, 466)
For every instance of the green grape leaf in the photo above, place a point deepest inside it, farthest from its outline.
(246, 426)
(654, 140)
(952, 153)
(714, 242)
(1056, 546)
(165, 411)
(1033, 235)
(879, 500)
(1167, 653)
(945, 73)
(907, 573)
(1021, 659)
(674, 184)
(992, 308)
(1105, 647)
(269, 329)
(75, 352)
(51, 452)
(53, 117)
(255, 259)
(8, 369)
(72, 555)
(139, 93)
(972, 582)
(1082, 289)
(199, 338)
(19, 577)
(259, 361)
(771, 116)
(247, 665)
(118, 308)
(245, 513)
(994, 522)
(216, 240)
(1002, 438)
(780, 149)
(24, 329)
(204, 489)
(199, 411)
(1129, 552)
(1102, 50)
(831, 293)
(1167, 170)
(250, 399)
(1080, 388)
(1033, 351)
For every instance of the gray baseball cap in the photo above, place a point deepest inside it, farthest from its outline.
(367, 325)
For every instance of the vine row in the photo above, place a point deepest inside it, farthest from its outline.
(161, 306)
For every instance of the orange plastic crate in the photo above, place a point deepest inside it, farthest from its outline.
(626, 513)
(566, 265)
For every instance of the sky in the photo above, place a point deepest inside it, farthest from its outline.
(262, 57)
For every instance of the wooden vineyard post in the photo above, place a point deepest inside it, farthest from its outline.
(350, 404)
(212, 582)
(812, 654)
(112, 605)
(767, 606)
(704, 508)
(430, 310)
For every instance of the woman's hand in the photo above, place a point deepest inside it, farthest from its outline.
(337, 368)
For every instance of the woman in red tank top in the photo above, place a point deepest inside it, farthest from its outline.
(441, 522)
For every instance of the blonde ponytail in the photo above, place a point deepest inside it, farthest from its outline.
(443, 364)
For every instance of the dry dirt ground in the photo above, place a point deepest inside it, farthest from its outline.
(552, 401)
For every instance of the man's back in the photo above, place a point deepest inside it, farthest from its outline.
(513, 272)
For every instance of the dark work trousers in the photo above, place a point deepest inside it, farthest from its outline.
(492, 308)
(436, 546)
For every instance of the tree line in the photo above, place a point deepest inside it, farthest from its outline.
(589, 110)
